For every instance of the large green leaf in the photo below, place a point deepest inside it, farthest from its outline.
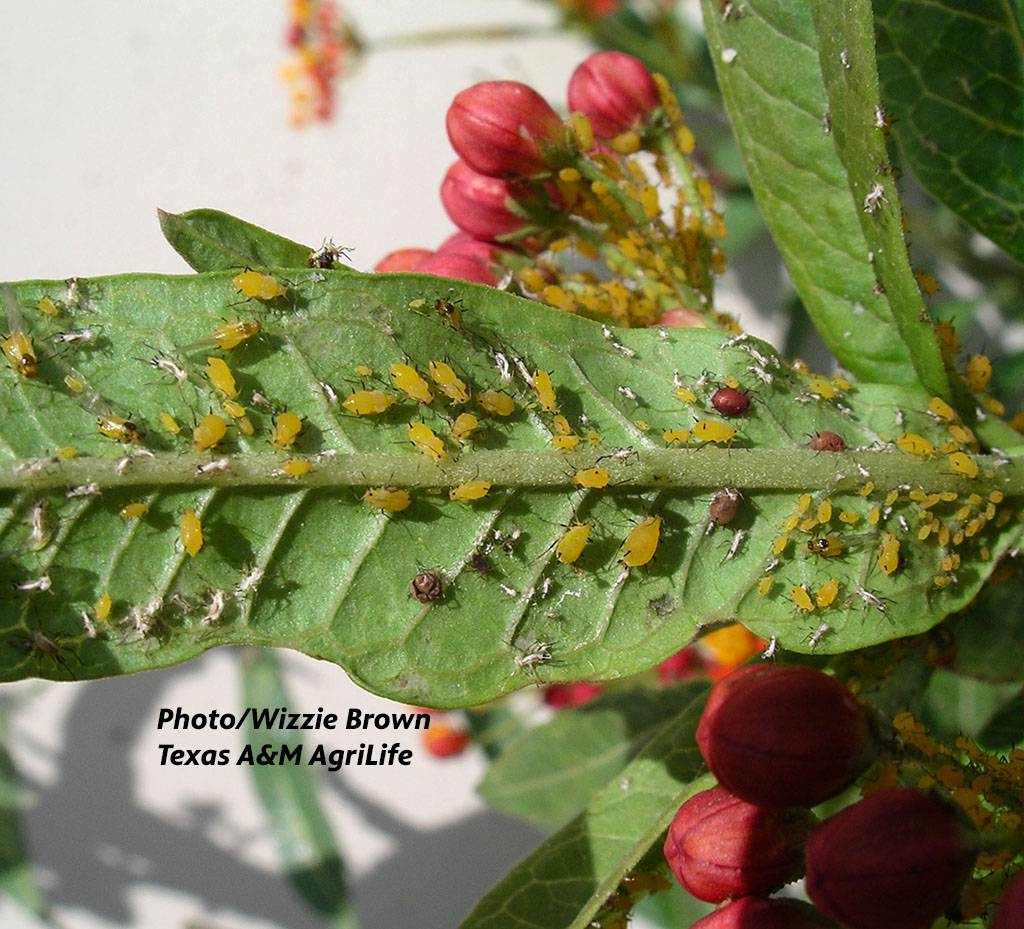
(301, 562)
(953, 79)
(551, 771)
(766, 59)
(564, 882)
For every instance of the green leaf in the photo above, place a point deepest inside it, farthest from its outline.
(767, 64)
(551, 771)
(1005, 727)
(989, 632)
(210, 240)
(846, 50)
(955, 704)
(301, 562)
(953, 80)
(565, 880)
(288, 794)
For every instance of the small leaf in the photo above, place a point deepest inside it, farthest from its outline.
(553, 770)
(213, 241)
(283, 550)
(1005, 728)
(768, 70)
(288, 794)
(952, 80)
(846, 49)
(566, 879)
(989, 632)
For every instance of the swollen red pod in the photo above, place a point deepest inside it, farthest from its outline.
(763, 913)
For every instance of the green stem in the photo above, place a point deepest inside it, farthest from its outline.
(694, 468)
(458, 34)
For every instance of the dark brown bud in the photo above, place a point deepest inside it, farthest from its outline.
(895, 860)
(720, 846)
(782, 736)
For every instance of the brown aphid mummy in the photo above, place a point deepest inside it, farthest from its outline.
(478, 562)
(426, 586)
(724, 506)
(730, 402)
(826, 441)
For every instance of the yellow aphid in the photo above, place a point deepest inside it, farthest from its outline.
(891, 497)
(286, 429)
(642, 542)
(942, 580)
(448, 382)
(565, 441)
(675, 435)
(808, 524)
(296, 467)
(873, 515)
(233, 409)
(711, 430)
(123, 430)
(387, 498)
(941, 410)
(824, 389)
(963, 464)
(47, 306)
(827, 545)
(948, 496)
(827, 593)
(949, 342)
(407, 379)
(367, 402)
(561, 425)
(423, 437)
(975, 499)
(595, 477)
(191, 532)
(962, 434)
(926, 282)
(686, 395)
(780, 543)
(73, 383)
(363, 370)
(231, 334)
(790, 522)
(131, 510)
(211, 429)
(993, 405)
(865, 490)
(889, 553)
(730, 381)
(979, 371)
(948, 447)
(169, 423)
(593, 437)
(841, 382)
(65, 452)
(471, 490)
(463, 426)
(764, 585)
(570, 546)
(803, 502)
(20, 354)
(824, 510)
(642, 425)
(801, 598)
(220, 376)
(996, 496)
(260, 286)
(541, 382)
(915, 444)
(849, 517)
(496, 403)
(102, 607)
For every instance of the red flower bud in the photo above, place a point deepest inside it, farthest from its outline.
(442, 740)
(894, 860)
(500, 128)
(476, 202)
(1010, 912)
(782, 736)
(403, 259)
(458, 264)
(684, 663)
(763, 913)
(682, 317)
(614, 90)
(720, 846)
(559, 695)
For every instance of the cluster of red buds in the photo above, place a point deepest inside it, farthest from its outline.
(781, 739)
(602, 214)
(444, 737)
(321, 43)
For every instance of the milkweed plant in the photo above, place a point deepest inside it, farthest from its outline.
(547, 455)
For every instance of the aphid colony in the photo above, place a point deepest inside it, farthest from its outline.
(439, 410)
